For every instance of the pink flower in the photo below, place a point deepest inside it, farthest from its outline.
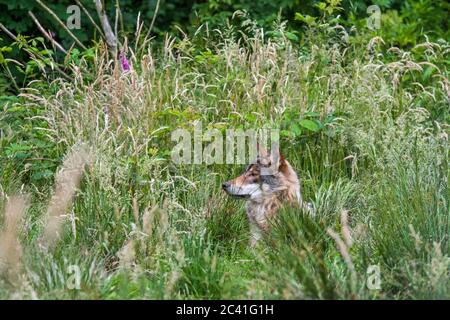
(124, 62)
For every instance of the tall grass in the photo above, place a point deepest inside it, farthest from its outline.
(143, 227)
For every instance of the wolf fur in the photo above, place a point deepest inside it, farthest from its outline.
(267, 184)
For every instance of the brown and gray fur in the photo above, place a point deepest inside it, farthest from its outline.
(266, 190)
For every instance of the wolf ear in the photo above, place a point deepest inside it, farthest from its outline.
(261, 151)
(282, 167)
(275, 157)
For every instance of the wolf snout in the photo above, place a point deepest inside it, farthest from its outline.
(225, 186)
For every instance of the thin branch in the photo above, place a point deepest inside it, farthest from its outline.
(111, 39)
(116, 21)
(5, 30)
(61, 23)
(138, 31)
(5, 65)
(154, 15)
(45, 33)
(33, 54)
(153, 19)
(91, 18)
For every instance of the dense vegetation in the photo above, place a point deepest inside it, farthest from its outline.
(363, 116)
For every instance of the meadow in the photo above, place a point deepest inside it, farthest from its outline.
(94, 208)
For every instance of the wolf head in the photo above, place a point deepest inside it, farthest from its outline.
(267, 175)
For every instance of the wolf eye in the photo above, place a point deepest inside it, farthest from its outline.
(251, 174)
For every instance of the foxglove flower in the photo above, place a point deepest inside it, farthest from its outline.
(125, 63)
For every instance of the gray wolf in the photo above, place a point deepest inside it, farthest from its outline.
(267, 184)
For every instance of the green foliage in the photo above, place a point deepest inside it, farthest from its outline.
(403, 23)
(28, 150)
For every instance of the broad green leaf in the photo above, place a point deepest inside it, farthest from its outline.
(291, 36)
(307, 19)
(312, 114)
(285, 133)
(309, 124)
(296, 130)
(42, 174)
